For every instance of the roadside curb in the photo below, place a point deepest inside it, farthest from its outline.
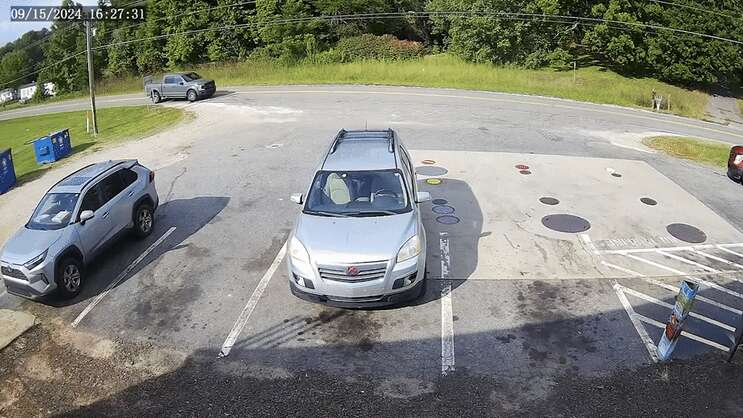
(13, 324)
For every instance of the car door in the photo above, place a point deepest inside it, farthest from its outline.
(93, 232)
(115, 207)
(169, 86)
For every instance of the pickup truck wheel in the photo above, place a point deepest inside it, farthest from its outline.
(191, 95)
(144, 220)
(69, 277)
(156, 97)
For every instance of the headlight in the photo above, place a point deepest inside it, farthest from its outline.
(33, 263)
(201, 87)
(410, 249)
(297, 251)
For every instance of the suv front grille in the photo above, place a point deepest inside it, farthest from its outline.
(11, 272)
(366, 272)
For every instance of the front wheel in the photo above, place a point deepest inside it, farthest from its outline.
(191, 95)
(144, 220)
(156, 97)
(69, 277)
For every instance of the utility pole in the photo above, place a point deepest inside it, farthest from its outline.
(91, 76)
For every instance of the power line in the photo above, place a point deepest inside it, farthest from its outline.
(696, 8)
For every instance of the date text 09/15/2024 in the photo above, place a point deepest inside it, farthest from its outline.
(74, 13)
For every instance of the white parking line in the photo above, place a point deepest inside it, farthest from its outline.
(447, 316)
(669, 306)
(682, 248)
(672, 288)
(120, 278)
(588, 243)
(633, 317)
(689, 262)
(681, 273)
(242, 320)
(714, 257)
(720, 247)
(688, 335)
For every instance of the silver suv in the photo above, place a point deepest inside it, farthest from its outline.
(73, 222)
(359, 240)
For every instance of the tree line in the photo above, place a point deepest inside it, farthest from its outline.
(651, 38)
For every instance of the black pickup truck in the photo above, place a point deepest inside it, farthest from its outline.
(179, 86)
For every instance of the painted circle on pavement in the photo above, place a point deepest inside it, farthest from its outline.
(447, 219)
(648, 201)
(526, 172)
(428, 162)
(549, 201)
(433, 182)
(566, 223)
(431, 171)
(439, 201)
(443, 209)
(687, 233)
(522, 167)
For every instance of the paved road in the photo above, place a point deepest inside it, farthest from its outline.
(535, 317)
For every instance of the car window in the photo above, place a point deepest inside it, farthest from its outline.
(91, 200)
(54, 211)
(409, 170)
(171, 80)
(110, 187)
(357, 193)
(127, 177)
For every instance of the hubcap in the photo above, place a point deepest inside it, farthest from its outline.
(145, 220)
(71, 278)
(192, 96)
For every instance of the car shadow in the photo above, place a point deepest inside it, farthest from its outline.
(114, 265)
(461, 238)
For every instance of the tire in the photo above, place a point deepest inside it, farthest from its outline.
(69, 277)
(191, 96)
(155, 96)
(144, 220)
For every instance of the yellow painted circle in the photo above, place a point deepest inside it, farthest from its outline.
(434, 182)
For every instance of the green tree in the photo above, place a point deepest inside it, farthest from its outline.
(13, 69)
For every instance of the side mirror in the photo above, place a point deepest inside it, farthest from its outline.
(86, 215)
(181, 83)
(297, 198)
(422, 197)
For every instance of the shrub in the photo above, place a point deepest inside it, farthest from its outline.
(385, 47)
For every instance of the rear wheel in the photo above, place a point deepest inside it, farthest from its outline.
(156, 97)
(191, 95)
(144, 220)
(69, 277)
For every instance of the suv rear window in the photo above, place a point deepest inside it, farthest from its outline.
(357, 193)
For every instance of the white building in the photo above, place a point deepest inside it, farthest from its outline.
(8, 95)
(26, 91)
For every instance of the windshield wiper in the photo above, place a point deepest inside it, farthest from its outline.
(323, 213)
(372, 213)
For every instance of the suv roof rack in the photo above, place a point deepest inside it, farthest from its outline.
(343, 135)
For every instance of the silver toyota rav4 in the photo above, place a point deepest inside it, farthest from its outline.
(73, 222)
(359, 240)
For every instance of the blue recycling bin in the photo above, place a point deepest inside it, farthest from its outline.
(52, 147)
(7, 171)
(61, 143)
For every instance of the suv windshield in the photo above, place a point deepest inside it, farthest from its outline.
(357, 193)
(54, 211)
(191, 76)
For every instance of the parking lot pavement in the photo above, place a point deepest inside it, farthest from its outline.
(531, 255)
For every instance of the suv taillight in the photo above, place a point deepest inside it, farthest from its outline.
(152, 176)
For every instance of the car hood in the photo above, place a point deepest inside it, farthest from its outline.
(354, 240)
(28, 243)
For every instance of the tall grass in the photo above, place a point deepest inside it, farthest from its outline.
(705, 152)
(592, 84)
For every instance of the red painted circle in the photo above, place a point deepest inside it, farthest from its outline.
(429, 162)
(522, 166)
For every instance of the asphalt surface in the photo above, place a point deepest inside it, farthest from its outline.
(534, 324)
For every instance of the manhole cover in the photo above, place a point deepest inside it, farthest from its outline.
(648, 201)
(443, 209)
(434, 182)
(428, 162)
(549, 201)
(566, 223)
(686, 233)
(439, 201)
(447, 219)
(431, 171)
(522, 166)
(525, 172)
